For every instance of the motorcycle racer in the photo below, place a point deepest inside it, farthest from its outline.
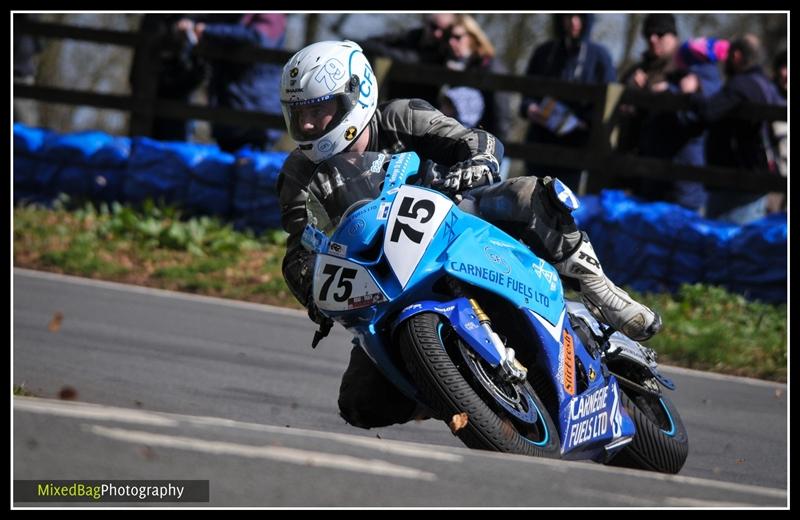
(329, 97)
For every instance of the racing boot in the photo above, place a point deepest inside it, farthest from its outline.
(607, 302)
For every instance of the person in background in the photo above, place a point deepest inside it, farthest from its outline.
(250, 85)
(740, 143)
(670, 66)
(776, 202)
(180, 71)
(425, 45)
(780, 73)
(570, 56)
(26, 49)
(464, 104)
(469, 49)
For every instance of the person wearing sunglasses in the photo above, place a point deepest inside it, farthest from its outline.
(470, 49)
(425, 44)
(667, 135)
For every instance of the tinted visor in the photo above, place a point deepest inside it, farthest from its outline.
(311, 119)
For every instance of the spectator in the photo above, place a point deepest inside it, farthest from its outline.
(468, 48)
(573, 57)
(669, 66)
(26, 48)
(464, 104)
(740, 143)
(423, 45)
(242, 86)
(780, 72)
(179, 74)
(776, 202)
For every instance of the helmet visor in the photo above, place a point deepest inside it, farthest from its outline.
(308, 120)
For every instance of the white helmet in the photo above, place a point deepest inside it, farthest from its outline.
(328, 72)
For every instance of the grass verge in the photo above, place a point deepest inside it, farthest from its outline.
(705, 327)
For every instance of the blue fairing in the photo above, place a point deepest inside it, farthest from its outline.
(410, 238)
(483, 255)
(583, 434)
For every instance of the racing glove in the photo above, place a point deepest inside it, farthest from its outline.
(298, 268)
(465, 175)
(324, 322)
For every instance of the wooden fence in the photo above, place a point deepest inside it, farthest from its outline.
(598, 156)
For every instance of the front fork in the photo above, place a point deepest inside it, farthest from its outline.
(474, 327)
(512, 370)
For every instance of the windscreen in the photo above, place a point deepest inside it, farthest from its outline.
(342, 184)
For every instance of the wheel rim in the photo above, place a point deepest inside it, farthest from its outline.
(672, 429)
(657, 411)
(514, 398)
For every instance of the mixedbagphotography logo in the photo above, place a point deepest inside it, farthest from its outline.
(111, 491)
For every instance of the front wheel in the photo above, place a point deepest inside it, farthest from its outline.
(661, 442)
(501, 416)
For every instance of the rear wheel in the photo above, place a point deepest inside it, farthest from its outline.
(661, 442)
(501, 415)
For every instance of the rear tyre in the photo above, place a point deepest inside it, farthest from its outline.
(661, 442)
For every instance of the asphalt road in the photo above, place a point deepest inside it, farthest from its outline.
(171, 386)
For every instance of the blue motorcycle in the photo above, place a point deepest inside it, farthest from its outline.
(466, 320)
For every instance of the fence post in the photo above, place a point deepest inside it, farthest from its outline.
(382, 70)
(144, 85)
(600, 145)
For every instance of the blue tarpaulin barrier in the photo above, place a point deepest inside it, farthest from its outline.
(657, 246)
(199, 178)
(650, 246)
(255, 197)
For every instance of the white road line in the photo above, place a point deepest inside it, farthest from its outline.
(694, 481)
(278, 453)
(92, 411)
(44, 275)
(408, 449)
(397, 447)
(111, 413)
(697, 502)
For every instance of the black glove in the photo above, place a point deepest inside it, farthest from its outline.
(315, 314)
(466, 175)
(324, 322)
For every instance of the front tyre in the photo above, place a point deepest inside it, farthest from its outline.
(661, 442)
(502, 416)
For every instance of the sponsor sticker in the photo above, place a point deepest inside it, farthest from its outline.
(588, 418)
(568, 363)
(542, 272)
(367, 300)
(337, 249)
(497, 259)
(383, 210)
(377, 164)
(356, 227)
